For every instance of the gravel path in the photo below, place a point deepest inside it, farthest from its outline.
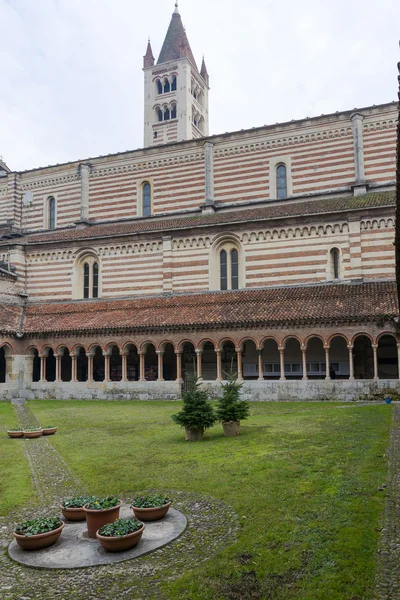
(388, 573)
(212, 525)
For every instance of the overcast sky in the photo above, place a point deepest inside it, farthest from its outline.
(71, 83)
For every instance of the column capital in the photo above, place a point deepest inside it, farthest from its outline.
(199, 351)
(281, 349)
(350, 346)
(303, 348)
(160, 352)
(375, 346)
(327, 347)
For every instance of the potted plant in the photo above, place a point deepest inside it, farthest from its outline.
(72, 508)
(121, 535)
(49, 430)
(15, 433)
(32, 432)
(197, 413)
(100, 511)
(230, 408)
(38, 533)
(150, 507)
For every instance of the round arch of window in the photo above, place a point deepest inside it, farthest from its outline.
(87, 276)
(227, 265)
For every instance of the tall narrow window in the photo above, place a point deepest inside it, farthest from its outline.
(281, 182)
(159, 87)
(235, 269)
(173, 111)
(160, 114)
(173, 86)
(146, 193)
(86, 280)
(223, 257)
(51, 213)
(335, 263)
(167, 86)
(95, 286)
(167, 114)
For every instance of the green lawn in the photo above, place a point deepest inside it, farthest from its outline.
(303, 479)
(15, 476)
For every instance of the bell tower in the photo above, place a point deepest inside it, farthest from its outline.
(175, 91)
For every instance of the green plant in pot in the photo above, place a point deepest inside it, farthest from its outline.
(100, 511)
(230, 408)
(150, 507)
(17, 432)
(121, 535)
(197, 413)
(32, 432)
(72, 508)
(35, 534)
(49, 429)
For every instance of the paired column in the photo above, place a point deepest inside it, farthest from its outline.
(282, 361)
(304, 358)
(179, 367)
(351, 361)
(219, 364)
(124, 357)
(160, 355)
(90, 368)
(58, 368)
(260, 366)
(375, 351)
(199, 363)
(239, 364)
(74, 377)
(142, 376)
(327, 364)
(42, 367)
(107, 367)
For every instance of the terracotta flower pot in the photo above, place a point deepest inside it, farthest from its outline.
(33, 434)
(151, 514)
(97, 518)
(194, 434)
(49, 431)
(231, 428)
(15, 434)
(74, 514)
(119, 544)
(39, 541)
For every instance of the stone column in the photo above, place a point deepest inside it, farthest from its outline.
(219, 364)
(58, 368)
(142, 369)
(351, 362)
(327, 364)
(85, 171)
(179, 367)
(282, 361)
(209, 173)
(160, 356)
(42, 368)
(90, 368)
(106, 367)
(357, 122)
(74, 377)
(199, 367)
(239, 364)
(124, 367)
(304, 359)
(375, 351)
(260, 366)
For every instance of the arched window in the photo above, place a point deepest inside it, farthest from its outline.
(51, 212)
(91, 279)
(173, 86)
(281, 182)
(146, 199)
(173, 111)
(167, 114)
(334, 263)
(167, 86)
(229, 268)
(159, 86)
(160, 114)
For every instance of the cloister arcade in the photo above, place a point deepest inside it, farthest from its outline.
(268, 358)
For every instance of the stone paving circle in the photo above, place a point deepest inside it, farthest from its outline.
(74, 549)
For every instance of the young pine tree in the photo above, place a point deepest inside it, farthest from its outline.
(197, 411)
(230, 406)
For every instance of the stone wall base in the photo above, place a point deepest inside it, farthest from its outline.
(262, 391)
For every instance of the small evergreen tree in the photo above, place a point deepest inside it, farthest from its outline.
(197, 411)
(230, 406)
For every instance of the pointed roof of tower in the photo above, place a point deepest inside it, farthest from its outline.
(176, 44)
(204, 72)
(148, 58)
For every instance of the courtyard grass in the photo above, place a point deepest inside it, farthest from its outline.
(15, 475)
(303, 479)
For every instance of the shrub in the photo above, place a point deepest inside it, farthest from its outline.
(77, 501)
(102, 503)
(150, 501)
(230, 407)
(197, 410)
(120, 527)
(36, 526)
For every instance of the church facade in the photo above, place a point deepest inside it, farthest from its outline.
(265, 252)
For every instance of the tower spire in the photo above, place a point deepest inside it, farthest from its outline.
(176, 11)
(148, 58)
(176, 44)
